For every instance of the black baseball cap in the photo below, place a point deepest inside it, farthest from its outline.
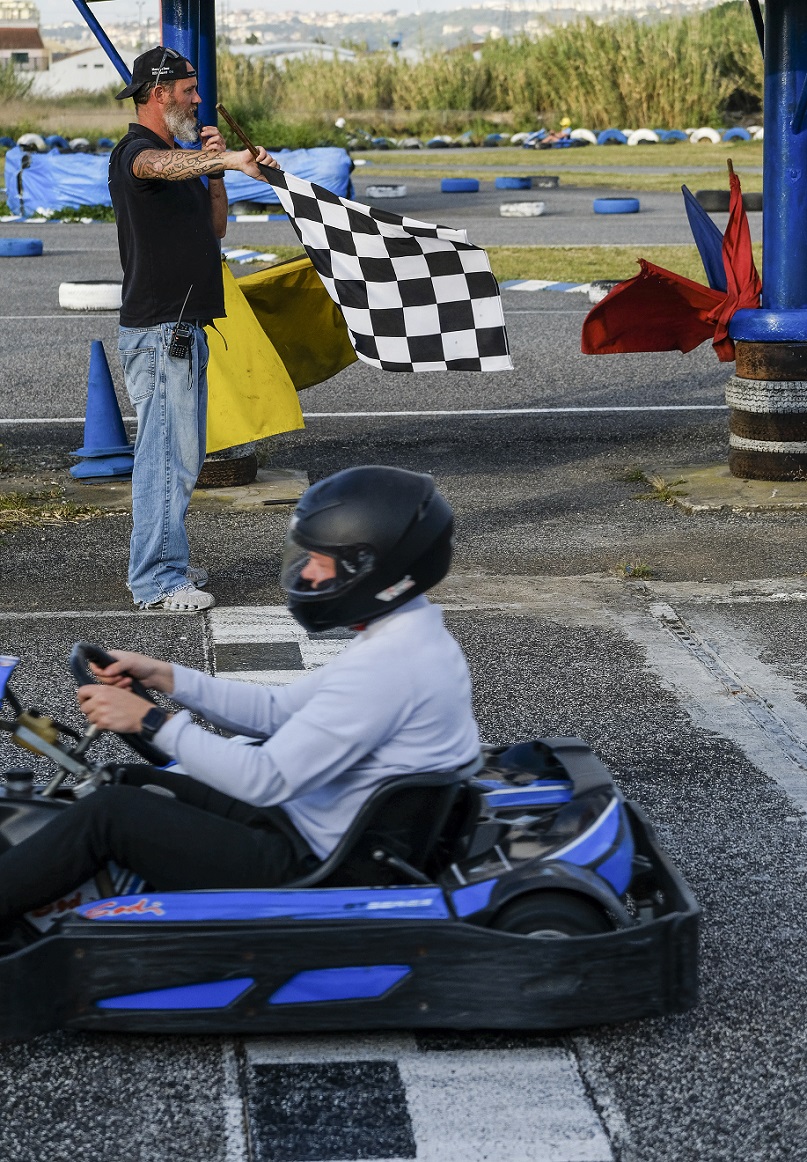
(158, 64)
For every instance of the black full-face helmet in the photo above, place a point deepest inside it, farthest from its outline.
(388, 532)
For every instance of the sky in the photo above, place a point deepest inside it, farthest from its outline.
(113, 11)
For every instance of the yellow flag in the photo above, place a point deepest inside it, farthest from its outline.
(298, 315)
(250, 392)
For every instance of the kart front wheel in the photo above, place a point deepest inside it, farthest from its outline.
(552, 916)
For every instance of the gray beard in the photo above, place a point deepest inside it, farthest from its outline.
(184, 126)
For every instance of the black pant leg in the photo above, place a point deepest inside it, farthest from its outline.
(170, 844)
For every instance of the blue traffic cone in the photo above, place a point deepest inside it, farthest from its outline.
(106, 444)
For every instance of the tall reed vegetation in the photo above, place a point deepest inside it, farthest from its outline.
(691, 70)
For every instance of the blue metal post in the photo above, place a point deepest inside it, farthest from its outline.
(206, 66)
(189, 26)
(766, 398)
(784, 262)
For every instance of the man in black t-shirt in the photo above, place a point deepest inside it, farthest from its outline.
(169, 226)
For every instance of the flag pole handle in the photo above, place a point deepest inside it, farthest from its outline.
(236, 128)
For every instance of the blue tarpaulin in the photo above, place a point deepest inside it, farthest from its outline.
(58, 181)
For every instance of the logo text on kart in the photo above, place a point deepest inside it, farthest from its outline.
(111, 908)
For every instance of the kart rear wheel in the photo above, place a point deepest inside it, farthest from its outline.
(552, 916)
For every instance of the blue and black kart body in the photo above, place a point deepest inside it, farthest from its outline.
(527, 895)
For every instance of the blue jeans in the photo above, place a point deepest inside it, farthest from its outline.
(170, 398)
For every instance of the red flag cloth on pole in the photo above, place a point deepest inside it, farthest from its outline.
(659, 310)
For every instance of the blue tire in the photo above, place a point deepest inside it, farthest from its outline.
(670, 136)
(459, 185)
(20, 247)
(513, 183)
(737, 134)
(55, 140)
(612, 137)
(616, 205)
(7, 143)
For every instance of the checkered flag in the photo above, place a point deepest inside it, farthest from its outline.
(414, 297)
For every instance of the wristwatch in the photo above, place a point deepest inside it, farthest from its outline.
(153, 720)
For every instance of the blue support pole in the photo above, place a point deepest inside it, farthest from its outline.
(784, 269)
(767, 399)
(208, 86)
(783, 316)
(104, 41)
(189, 26)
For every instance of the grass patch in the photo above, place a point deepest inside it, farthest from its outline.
(574, 263)
(584, 263)
(663, 491)
(48, 507)
(633, 570)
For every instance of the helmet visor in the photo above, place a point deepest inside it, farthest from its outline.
(323, 572)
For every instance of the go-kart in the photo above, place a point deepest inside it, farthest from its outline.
(520, 892)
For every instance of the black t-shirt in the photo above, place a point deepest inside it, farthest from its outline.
(166, 240)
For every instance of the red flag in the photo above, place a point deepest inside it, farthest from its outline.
(659, 310)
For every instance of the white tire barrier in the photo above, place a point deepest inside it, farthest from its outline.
(20, 247)
(646, 135)
(459, 186)
(583, 135)
(705, 134)
(758, 135)
(601, 287)
(90, 296)
(32, 142)
(522, 209)
(385, 192)
(616, 205)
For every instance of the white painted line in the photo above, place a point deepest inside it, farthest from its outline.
(112, 315)
(242, 625)
(717, 678)
(686, 407)
(254, 623)
(262, 677)
(522, 1105)
(559, 411)
(236, 1145)
(49, 614)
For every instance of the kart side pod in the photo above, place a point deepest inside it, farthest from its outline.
(394, 958)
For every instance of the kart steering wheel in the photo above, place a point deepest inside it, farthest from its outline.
(81, 655)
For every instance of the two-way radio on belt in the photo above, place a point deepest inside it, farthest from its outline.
(182, 334)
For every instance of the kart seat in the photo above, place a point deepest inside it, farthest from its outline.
(407, 828)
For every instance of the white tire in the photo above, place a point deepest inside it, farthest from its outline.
(640, 135)
(522, 209)
(385, 192)
(518, 138)
(758, 135)
(583, 135)
(705, 134)
(90, 296)
(32, 142)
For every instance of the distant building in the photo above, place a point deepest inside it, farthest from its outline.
(20, 42)
(90, 70)
(279, 53)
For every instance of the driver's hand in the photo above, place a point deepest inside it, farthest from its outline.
(127, 665)
(112, 708)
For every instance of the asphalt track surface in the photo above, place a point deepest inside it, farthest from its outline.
(557, 644)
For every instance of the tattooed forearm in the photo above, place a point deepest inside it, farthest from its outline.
(176, 164)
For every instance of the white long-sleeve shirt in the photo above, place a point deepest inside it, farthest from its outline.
(396, 701)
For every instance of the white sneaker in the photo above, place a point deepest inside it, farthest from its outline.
(188, 599)
(197, 575)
